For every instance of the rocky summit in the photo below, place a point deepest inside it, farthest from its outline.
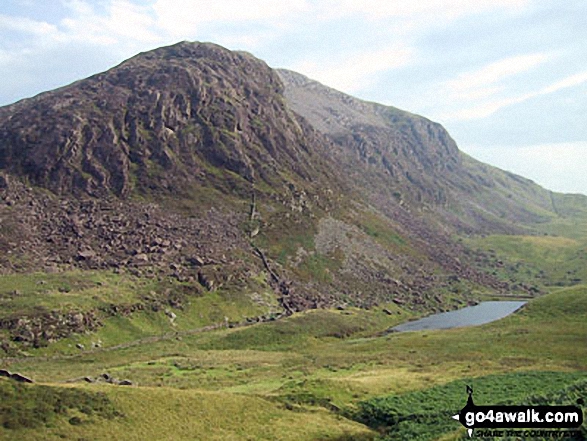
(205, 166)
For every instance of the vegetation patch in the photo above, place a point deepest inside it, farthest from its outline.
(537, 260)
(32, 293)
(301, 330)
(380, 230)
(24, 406)
(286, 233)
(425, 415)
(319, 267)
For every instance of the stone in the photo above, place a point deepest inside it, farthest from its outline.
(205, 281)
(78, 318)
(195, 261)
(86, 254)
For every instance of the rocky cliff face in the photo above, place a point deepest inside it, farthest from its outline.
(162, 121)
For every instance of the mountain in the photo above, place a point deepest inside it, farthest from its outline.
(415, 161)
(202, 165)
(159, 122)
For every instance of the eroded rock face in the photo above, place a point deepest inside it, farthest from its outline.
(161, 121)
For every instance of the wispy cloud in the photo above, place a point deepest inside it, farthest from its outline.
(489, 107)
(355, 71)
(125, 26)
(573, 80)
(482, 82)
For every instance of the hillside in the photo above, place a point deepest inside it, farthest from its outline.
(194, 172)
(400, 157)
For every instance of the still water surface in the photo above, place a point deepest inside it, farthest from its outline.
(484, 312)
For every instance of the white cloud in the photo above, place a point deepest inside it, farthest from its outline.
(557, 166)
(5, 57)
(432, 9)
(485, 109)
(355, 72)
(184, 17)
(477, 92)
(26, 25)
(248, 41)
(79, 7)
(123, 22)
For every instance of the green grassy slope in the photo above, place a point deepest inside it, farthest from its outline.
(539, 260)
(167, 414)
(300, 378)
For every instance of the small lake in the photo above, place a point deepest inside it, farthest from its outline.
(480, 314)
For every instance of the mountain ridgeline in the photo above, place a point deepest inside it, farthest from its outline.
(158, 122)
(415, 161)
(205, 165)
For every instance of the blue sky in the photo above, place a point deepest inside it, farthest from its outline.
(507, 78)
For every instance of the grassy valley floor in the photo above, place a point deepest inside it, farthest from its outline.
(309, 376)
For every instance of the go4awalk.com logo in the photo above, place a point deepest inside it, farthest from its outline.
(522, 421)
